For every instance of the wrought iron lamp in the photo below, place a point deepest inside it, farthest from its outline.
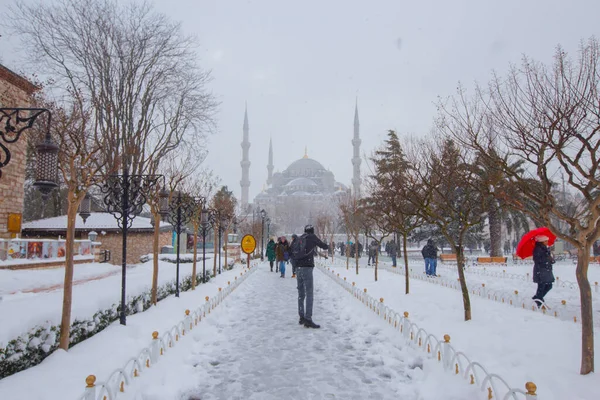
(13, 122)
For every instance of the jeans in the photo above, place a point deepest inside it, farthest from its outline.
(305, 290)
(430, 266)
(294, 268)
(282, 267)
(271, 264)
(393, 260)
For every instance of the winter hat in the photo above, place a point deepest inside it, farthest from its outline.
(541, 238)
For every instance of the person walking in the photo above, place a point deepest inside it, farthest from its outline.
(429, 252)
(392, 251)
(271, 252)
(292, 261)
(542, 268)
(372, 252)
(303, 253)
(282, 254)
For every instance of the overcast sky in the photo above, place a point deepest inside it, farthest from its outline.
(301, 65)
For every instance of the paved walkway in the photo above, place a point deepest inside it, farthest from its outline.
(253, 348)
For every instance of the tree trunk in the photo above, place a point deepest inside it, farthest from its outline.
(225, 242)
(460, 261)
(195, 254)
(376, 263)
(215, 246)
(587, 316)
(356, 253)
(495, 221)
(348, 253)
(155, 258)
(407, 278)
(65, 323)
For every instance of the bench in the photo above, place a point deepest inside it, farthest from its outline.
(447, 257)
(492, 260)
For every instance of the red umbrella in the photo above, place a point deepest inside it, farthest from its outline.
(527, 243)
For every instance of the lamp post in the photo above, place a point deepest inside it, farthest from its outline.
(13, 122)
(263, 215)
(205, 218)
(181, 210)
(268, 227)
(223, 221)
(124, 197)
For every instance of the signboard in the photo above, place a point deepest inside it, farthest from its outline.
(248, 244)
(14, 223)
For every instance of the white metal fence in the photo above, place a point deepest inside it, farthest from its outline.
(120, 378)
(510, 298)
(492, 385)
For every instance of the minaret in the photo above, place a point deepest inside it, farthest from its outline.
(245, 182)
(356, 158)
(270, 165)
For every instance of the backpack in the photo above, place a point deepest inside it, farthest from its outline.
(298, 248)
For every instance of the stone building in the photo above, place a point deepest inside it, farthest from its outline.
(15, 91)
(140, 236)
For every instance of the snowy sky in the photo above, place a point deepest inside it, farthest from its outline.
(301, 65)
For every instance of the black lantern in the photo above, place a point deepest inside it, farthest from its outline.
(85, 207)
(13, 122)
(163, 202)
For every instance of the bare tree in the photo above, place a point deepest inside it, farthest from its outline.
(447, 195)
(79, 160)
(350, 213)
(547, 118)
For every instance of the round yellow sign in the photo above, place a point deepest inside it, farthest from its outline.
(248, 244)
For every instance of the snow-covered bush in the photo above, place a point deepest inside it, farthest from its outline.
(39, 342)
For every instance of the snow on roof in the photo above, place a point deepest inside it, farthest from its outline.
(96, 221)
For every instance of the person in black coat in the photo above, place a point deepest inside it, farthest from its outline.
(542, 268)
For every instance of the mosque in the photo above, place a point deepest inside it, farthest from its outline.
(303, 190)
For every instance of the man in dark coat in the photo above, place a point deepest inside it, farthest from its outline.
(305, 264)
(430, 255)
(392, 251)
(542, 268)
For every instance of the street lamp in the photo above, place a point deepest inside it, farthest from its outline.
(223, 221)
(268, 227)
(205, 218)
(181, 211)
(263, 215)
(13, 122)
(124, 197)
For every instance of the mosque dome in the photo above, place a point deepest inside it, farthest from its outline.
(301, 182)
(304, 167)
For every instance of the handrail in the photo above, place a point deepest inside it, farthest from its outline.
(492, 384)
(150, 355)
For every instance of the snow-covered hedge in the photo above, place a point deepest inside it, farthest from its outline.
(31, 348)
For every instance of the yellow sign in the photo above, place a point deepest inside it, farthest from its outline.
(14, 223)
(248, 244)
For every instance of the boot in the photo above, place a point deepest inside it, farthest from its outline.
(308, 323)
(302, 320)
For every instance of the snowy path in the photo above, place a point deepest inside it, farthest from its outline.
(253, 348)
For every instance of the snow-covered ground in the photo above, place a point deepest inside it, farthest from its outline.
(519, 345)
(23, 280)
(62, 375)
(20, 311)
(253, 348)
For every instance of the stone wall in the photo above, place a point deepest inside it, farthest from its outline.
(138, 244)
(15, 92)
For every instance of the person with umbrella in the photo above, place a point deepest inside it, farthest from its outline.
(542, 268)
(536, 243)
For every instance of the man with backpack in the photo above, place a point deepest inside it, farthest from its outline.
(303, 256)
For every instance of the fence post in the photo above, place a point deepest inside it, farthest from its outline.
(90, 388)
(155, 347)
(446, 349)
(531, 391)
(188, 319)
(406, 326)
